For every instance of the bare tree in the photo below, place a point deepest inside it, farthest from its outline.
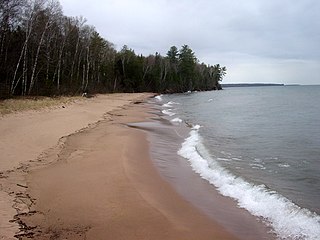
(29, 18)
(53, 9)
(87, 33)
(147, 66)
(164, 67)
(79, 23)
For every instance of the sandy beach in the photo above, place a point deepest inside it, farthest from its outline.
(79, 172)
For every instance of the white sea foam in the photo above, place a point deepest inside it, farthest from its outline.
(224, 159)
(283, 165)
(169, 104)
(196, 127)
(287, 219)
(178, 120)
(173, 103)
(257, 166)
(168, 112)
(159, 97)
(166, 105)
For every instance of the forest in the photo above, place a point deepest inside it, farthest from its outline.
(44, 52)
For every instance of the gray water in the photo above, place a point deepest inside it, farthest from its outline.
(261, 146)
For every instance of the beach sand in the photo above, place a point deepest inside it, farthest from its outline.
(80, 172)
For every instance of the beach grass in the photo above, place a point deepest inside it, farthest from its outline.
(34, 103)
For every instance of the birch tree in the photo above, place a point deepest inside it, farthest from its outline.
(78, 24)
(53, 9)
(29, 17)
(87, 32)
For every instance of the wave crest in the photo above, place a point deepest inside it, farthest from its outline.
(288, 220)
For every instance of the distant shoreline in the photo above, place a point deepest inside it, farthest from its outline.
(253, 85)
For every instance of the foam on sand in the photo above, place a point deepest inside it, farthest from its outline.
(159, 97)
(168, 112)
(178, 120)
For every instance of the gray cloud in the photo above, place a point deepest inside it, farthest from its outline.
(276, 40)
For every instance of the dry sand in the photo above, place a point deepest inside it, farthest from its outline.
(97, 183)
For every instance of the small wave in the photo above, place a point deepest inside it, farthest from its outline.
(288, 220)
(224, 159)
(159, 97)
(196, 127)
(257, 166)
(173, 103)
(169, 104)
(178, 120)
(283, 165)
(168, 112)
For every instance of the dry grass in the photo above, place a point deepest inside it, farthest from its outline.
(34, 103)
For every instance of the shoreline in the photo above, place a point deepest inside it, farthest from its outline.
(166, 138)
(92, 189)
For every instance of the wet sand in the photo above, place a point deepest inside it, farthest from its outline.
(100, 183)
(165, 140)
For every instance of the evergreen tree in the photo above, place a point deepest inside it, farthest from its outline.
(43, 52)
(186, 67)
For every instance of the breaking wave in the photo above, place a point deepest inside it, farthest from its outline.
(288, 220)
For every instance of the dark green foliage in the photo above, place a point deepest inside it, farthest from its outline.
(186, 67)
(43, 52)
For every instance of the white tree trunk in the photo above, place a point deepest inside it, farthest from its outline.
(25, 72)
(115, 84)
(32, 79)
(74, 58)
(13, 82)
(88, 68)
(30, 22)
(59, 62)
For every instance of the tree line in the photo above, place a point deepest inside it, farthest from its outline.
(44, 52)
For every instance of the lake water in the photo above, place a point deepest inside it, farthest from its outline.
(259, 146)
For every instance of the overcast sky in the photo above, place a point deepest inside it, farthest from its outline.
(257, 40)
